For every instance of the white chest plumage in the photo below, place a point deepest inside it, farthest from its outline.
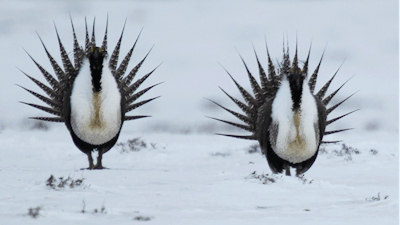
(294, 135)
(95, 117)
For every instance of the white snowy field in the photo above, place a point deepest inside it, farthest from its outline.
(194, 179)
(193, 176)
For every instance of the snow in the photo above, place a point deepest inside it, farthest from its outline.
(193, 176)
(184, 181)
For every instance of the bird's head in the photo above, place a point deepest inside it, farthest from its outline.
(296, 78)
(96, 56)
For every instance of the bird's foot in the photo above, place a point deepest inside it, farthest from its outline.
(287, 169)
(99, 167)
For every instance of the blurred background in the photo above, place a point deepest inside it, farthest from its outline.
(192, 39)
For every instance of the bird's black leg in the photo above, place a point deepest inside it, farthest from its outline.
(286, 166)
(299, 169)
(91, 165)
(98, 165)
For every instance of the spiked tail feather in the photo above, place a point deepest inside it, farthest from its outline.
(104, 44)
(339, 117)
(254, 85)
(57, 69)
(137, 95)
(127, 118)
(124, 64)
(336, 131)
(114, 56)
(241, 126)
(46, 109)
(328, 111)
(248, 137)
(128, 79)
(136, 105)
(49, 119)
(241, 117)
(53, 104)
(313, 78)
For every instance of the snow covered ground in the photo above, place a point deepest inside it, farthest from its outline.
(191, 176)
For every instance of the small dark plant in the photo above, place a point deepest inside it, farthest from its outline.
(134, 145)
(373, 151)
(51, 182)
(38, 125)
(254, 148)
(83, 207)
(264, 178)
(95, 211)
(305, 180)
(222, 154)
(102, 210)
(142, 218)
(34, 212)
(346, 152)
(378, 198)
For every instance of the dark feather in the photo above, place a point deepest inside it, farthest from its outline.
(124, 64)
(49, 119)
(313, 78)
(49, 78)
(112, 64)
(136, 105)
(53, 104)
(263, 76)
(57, 69)
(241, 126)
(336, 131)
(93, 40)
(328, 111)
(52, 94)
(241, 117)
(87, 42)
(132, 88)
(305, 66)
(330, 142)
(128, 79)
(248, 137)
(339, 117)
(246, 96)
(322, 91)
(104, 44)
(329, 98)
(69, 69)
(137, 95)
(78, 52)
(46, 109)
(254, 85)
(241, 105)
(134, 117)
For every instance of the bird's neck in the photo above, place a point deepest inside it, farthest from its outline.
(96, 70)
(296, 90)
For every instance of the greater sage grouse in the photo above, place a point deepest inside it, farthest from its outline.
(91, 95)
(285, 115)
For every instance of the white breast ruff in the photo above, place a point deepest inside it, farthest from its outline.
(95, 118)
(296, 139)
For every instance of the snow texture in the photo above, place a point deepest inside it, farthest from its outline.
(192, 176)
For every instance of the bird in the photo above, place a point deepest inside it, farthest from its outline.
(91, 95)
(284, 114)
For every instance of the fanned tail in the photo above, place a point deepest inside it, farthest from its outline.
(268, 87)
(66, 76)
